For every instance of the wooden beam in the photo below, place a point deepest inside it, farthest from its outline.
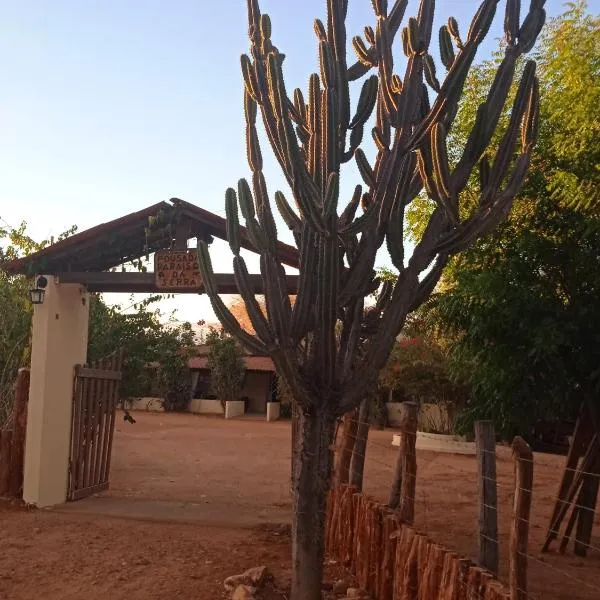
(143, 283)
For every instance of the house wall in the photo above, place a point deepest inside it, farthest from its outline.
(257, 385)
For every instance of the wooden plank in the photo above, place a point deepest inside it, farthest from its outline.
(97, 407)
(576, 481)
(5, 445)
(96, 373)
(133, 282)
(376, 548)
(85, 386)
(111, 423)
(17, 452)
(103, 434)
(485, 442)
(88, 491)
(89, 422)
(75, 436)
(581, 436)
(575, 493)
(588, 500)
(386, 579)
(519, 531)
(103, 412)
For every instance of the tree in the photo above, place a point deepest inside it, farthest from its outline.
(418, 370)
(155, 352)
(143, 335)
(15, 312)
(327, 347)
(522, 305)
(226, 363)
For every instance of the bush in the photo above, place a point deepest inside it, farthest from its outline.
(226, 363)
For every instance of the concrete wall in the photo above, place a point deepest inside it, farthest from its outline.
(59, 342)
(201, 407)
(257, 387)
(205, 407)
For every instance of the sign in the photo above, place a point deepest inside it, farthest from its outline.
(177, 269)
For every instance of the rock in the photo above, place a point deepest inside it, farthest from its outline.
(340, 587)
(254, 577)
(244, 592)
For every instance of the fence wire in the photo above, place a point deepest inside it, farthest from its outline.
(545, 572)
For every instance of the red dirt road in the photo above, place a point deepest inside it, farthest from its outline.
(191, 500)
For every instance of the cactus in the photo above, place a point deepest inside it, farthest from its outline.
(327, 347)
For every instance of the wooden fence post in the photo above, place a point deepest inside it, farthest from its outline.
(485, 440)
(294, 442)
(409, 462)
(519, 531)
(5, 443)
(17, 453)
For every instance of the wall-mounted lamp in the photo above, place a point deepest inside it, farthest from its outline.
(37, 293)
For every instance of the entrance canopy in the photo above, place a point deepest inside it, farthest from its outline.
(88, 257)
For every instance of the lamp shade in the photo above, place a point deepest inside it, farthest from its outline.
(36, 295)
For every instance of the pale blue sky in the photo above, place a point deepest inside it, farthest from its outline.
(107, 107)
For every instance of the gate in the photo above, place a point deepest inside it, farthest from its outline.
(95, 398)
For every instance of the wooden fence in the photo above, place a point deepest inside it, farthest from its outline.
(393, 561)
(96, 395)
(12, 441)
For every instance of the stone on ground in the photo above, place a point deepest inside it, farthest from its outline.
(244, 592)
(254, 577)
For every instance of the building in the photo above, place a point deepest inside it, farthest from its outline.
(259, 386)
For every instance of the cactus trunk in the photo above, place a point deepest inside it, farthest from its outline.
(313, 478)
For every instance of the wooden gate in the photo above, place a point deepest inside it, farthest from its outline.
(95, 398)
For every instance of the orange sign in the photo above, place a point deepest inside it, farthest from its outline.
(177, 269)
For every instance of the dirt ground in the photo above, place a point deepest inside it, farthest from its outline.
(196, 499)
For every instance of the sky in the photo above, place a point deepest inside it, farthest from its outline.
(108, 107)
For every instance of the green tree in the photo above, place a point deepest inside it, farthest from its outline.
(226, 363)
(522, 306)
(15, 311)
(142, 334)
(155, 352)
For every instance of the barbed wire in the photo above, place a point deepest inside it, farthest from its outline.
(538, 522)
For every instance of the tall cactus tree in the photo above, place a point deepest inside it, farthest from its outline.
(328, 348)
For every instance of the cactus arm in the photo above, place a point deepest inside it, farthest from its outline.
(309, 138)
(225, 316)
(304, 304)
(257, 318)
(326, 308)
(292, 220)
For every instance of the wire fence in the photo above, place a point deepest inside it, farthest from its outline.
(448, 505)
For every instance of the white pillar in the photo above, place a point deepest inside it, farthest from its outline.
(59, 342)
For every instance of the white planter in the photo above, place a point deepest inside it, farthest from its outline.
(205, 407)
(234, 408)
(436, 442)
(273, 411)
